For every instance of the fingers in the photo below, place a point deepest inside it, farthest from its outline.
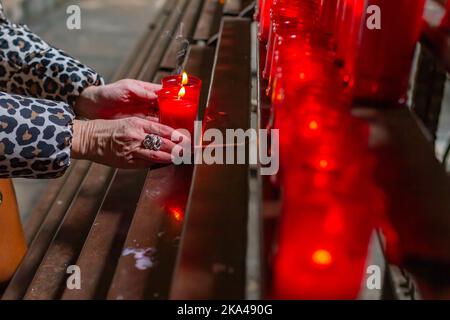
(168, 146)
(142, 90)
(164, 155)
(141, 93)
(164, 131)
(149, 86)
(152, 119)
(153, 156)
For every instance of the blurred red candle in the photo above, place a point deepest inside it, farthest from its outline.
(288, 17)
(385, 54)
(325, 230)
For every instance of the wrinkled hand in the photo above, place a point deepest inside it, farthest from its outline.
(118, 143)
(121, 99)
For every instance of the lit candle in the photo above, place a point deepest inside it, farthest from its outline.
(178, 102)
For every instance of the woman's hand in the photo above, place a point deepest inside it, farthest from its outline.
(121, 99)
(118, 143)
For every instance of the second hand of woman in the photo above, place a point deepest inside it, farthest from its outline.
(119, 143)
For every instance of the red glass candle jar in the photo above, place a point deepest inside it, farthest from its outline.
(290, 17)
(323, 237)
(385, 54)
(326, 221)
(178, 110)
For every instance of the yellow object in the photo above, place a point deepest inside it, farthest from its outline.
(12, 240)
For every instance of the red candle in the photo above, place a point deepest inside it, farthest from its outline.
(178, 106)
(322, 249)
(289, 17)
(385, 54)
(328, 214)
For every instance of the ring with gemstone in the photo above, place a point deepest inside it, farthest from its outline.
(152, 142)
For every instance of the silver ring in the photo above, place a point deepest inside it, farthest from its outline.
(152, 142)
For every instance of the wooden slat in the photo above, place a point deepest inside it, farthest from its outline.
(24, 274)
(187, 24)
(154, 233)
(154, 225)
(49, 279)
(211, 262)
(41, 209)
(209, 21)
(107, 235)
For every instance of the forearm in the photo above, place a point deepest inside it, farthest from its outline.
(35, 137)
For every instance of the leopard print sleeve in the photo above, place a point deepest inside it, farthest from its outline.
(31, 67)
(35, 137)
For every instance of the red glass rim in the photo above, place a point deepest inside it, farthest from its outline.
(172, 93)
(175, 80)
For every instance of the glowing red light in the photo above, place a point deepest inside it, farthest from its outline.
(176, 213)
(322, 257)
(323, 164)
(313, 125)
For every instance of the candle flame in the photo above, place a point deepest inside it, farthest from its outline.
(184, 79)
(182, 92)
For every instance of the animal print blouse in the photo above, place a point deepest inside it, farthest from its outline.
(38, 88)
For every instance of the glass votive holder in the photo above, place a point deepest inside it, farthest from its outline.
(178, 112)
(385, 55)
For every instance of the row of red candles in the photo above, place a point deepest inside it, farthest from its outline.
(319, 59)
